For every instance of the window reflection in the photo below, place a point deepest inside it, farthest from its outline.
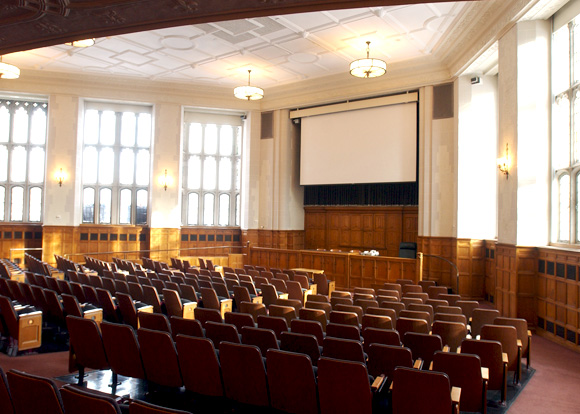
(88, 205)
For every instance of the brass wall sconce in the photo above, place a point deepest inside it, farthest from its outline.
(504, 163)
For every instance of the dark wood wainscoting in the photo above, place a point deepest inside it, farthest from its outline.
(360, 228)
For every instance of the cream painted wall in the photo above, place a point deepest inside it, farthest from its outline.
(477, 149)
(508, 116)
(437, 171)
(533, 106)
(63, 152)
(165, 211)
(251, 172)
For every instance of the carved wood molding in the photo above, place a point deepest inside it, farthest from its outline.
(28, 24)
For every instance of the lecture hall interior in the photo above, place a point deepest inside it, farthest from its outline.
(463, 148)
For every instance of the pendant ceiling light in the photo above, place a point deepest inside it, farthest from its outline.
(8, 71)
(247, 92)
(81, 43)
(368, 67)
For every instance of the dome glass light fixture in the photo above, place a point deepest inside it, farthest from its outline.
(247, 92)
(8, 71)
(368, 67)
(82, 43)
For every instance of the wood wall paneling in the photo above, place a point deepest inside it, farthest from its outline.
(360, 228)
(19, 236)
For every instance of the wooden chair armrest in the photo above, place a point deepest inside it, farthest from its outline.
(458, 349)
(519, 343)
(455, 394)
(529, 333)
(446, 348)
(431, 366)
(378, 383)
(418, 364)
(504, 357)
(485, 373)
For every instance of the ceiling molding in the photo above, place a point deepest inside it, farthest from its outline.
(28, 24)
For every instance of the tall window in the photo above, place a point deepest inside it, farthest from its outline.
(22, 159)
(116, 163)
(212, 168)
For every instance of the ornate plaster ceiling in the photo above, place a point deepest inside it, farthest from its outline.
(279, 49)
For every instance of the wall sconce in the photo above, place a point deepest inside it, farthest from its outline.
(60, 176)
(504, 163)
(165, 180)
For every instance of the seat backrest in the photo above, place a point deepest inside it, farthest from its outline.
(173, 302)
(269, 294)
(435, 391)
(451, 298)
(77, 400)
(416, 315)
(423, 297)
(291, 382)
(321, 283)
(422, 308)
(209, 298)
(344, 318)
(508, 337)
(219, 332)
(254, 309)
(301, 343)
(317, 315)
(264, 339)
(204, 315)
(340, 300)
(275, 323)
(380, 336)
(159, 358)
(467, 307)
(310, 327)
(377, 321)
(189, 327)
(451, 333)
(482, 317)
(71, 305)
(346, 349)
(396, 306)
(435, 291)
(86, 343)
(521, 326)
(408, 288)
(108, 306)
(451, 317)
(142, 407)
(151, 297)
(46, 395)
(343, 386)
(454, 310)
(9, 316)
(122, 349)
(303, 280)
(286, 312)
(405, 325)
(490, 354)
(198, 355)
(436, 303)
(239, 320)
(338, 330)
(128, 310)
(464, 371)
(423, 345)
(294, 290)
(317, 298)
(6, 405)
(136, 291)
(244, 374)
(154, 321)
(389, 292)
(383, 359)
(325, 306)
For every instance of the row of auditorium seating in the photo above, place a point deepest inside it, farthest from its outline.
(286, 382)
(23, 393)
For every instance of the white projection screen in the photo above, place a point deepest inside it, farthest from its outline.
(375, 145)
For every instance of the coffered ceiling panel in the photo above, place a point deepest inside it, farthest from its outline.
(279, 49)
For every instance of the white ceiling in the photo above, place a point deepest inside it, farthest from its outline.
(279, 50)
